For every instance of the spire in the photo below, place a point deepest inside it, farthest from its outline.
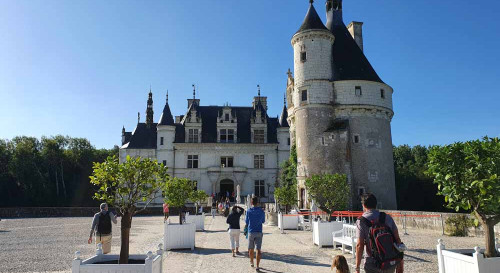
(194, 92)
(284, 99)
(149, 109)
(312, 20)
(166, 116)
(258, 90)
(123, 130)
(284, 115)
(138, 117)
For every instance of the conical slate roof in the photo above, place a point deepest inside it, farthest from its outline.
(312, 20)
(348, 61)
(284, 115)
(166, 117)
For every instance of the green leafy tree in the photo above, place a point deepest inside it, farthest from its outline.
(125, 186)
(198, 197)
(288, 170)
(286, 195)
(467, 174)
(177, 191)
(329, 191)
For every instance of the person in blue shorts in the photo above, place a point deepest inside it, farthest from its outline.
(254, 219)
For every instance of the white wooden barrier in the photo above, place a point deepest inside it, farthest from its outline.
(198, 220)
(152, 263)
(346, 237)
(178, 236)
(461, 260)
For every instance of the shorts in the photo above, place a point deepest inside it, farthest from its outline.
(255, 240)
(105, 241)
(372, 268)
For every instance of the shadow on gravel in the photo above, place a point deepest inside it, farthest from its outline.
(204, 251)
(261, 269)
(215, 231)
(3, 231)
(415, 259)
(423, 251)
(292, 259)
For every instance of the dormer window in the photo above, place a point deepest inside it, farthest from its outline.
(227, 136)
(258, 136)
(226, 117)
(193, 136)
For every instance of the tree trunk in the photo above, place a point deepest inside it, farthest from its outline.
(126, 222)
(62, 180)
(329, 217)
(489, 232)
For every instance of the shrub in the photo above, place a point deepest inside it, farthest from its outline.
(458, 225)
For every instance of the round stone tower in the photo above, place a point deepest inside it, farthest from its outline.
(341, 110)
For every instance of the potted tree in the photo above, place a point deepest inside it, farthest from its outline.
(329, 191)
(177, 191)
(198, 197)
(468, 175)
(286, 196)
(130, 187)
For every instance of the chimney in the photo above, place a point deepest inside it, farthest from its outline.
(178, 118)
(356, 30)
(263, 101)
(190, 101)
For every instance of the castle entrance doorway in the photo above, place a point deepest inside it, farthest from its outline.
(227, 185)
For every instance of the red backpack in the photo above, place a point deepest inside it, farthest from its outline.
(382, 243)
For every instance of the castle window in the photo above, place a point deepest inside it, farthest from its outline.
(161, 140)
(356, 139)
(226, 161)
(258, 136)
(303, 56)
(304, 95)
(226, 117)
(164, 163)
(227, 135)
(260, 190)
(382, 93)
(193, 135)
(192, 162)
(358, 91)
(288, 141)
(258, 161)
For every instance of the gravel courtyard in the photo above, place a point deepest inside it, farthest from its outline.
(48, 244)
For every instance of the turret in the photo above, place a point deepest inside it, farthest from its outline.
(166, 137)
(283, 132)
(149, 110)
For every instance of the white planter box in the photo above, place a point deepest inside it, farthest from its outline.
(322, 232)
(288, 222)
(152, 263)
(457, 260)
(198, 220)
(178, 236)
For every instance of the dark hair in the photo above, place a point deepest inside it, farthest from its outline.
(255, 200)
(340, 264)
(234, 209)
(369, 200)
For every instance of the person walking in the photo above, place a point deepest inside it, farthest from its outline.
(384, 223)
(214, 207)
(101, 225)
(165, 212)
(254, 219)
(234, 229)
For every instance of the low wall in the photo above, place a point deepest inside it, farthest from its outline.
(39, 212)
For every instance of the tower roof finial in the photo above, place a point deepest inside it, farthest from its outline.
(138, 117)
(258, 90)
(284, 98)
(311, 1)
(167, 95)
(194, 92)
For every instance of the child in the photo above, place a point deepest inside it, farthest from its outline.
(340, 263)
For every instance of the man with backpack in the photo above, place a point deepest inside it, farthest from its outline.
(378, 236)
(101, 225)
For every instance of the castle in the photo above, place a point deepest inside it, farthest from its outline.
(222, 148)
(337, 112)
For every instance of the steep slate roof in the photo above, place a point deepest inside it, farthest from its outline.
(166, 116)
(209, 116)
(284, 115)
(143, 137)
(312, 20)
(348, 62)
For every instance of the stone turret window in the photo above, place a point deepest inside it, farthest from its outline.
(358, 91)
(288, 141)
(355, 139)
(303, 56)
(382, 93)
(303, 95)
(161, 140)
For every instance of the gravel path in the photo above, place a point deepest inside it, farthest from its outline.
(48, 244)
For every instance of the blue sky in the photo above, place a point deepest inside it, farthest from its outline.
(83, 68)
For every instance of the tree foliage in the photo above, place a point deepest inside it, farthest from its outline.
(135, 182)
(286, 195)
(177, 191)
(51, 171)
(288, 170)
(198, 197)
(467, 175)
(329, 191)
